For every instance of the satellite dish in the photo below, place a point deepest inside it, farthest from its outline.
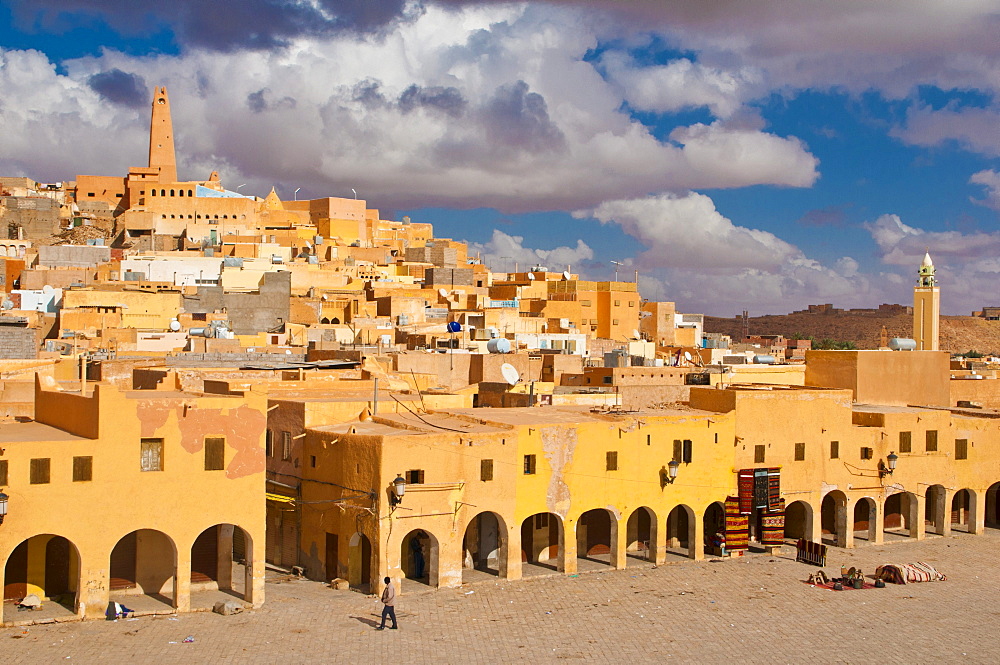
(7, 304)
(510, 374)
(566, 275)
(636, 335)
(687, 356)
(175, 325)
(443, 293)
(531, 276)
(47, 289)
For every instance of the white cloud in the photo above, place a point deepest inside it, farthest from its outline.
(503, 251)
(487, 106)
(971, 127)
(903, 245)
(991, 181)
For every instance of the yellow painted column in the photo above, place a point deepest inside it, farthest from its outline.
(182, 580)
(696, 538)
(36, 565)
(510, 554)
(567, 547)
(977, 512)
(254, 593)
(876, 523)
(619, 543)
(94, 593)
(660, 538)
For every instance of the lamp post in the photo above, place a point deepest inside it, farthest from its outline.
(3, 506)
(296, 193)
(889, 466)
(617, 265)
(398, 490)
(670, 476)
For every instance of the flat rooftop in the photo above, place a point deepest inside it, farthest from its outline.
(17, 432)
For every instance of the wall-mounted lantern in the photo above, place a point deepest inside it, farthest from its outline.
(889, 466)
(672, 467)
(3, 506)
(398, 490)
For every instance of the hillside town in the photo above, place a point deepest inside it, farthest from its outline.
(200, 385)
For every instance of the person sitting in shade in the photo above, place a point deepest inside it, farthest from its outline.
(418, 555)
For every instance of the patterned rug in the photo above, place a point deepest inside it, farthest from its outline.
(773, 527)
(745, 488)
(737, 526)
(774, 489)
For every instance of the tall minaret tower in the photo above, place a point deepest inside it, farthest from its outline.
(161, 137)
(926, 307)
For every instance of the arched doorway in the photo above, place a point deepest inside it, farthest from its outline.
(833, 518)
(961, 506)
(798, 520)
(865, 519)
(993, 506)
(541, 537)
(680, 531)
(222, 560)
(934, 509)
(47, 566)
(419, 557)
(595, 532)
(144, 562)
(359, 562)
(898, 519)
(484, 547)
(714, 523)
(640, 535)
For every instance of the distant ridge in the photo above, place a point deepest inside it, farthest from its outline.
(863, 327)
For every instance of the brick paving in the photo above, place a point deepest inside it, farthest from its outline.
(750, 610)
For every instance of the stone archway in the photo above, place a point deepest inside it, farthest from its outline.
(222, 560)
(935, 510)
(542, 542)
(799, 520)
(359, 562)
(484, 547)
(993, 506)
(47, 566)
(962, 515)
(419, 557)
(681, 531)
(596, 535)
(144, 562)
(833, 518)
(865, 524)
(640, 534)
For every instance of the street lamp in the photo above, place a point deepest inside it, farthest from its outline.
(617, 265)
(890, 466)
(398, 490)
(670, 476)
(296, 193)
(3, 506)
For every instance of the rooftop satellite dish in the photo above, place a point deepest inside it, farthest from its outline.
(47, 289)
(175, 325)
(531, 276)
(7, 304)
(510, 374)
(443, 293)
(687, 356)
(566, 275)
(636, 335)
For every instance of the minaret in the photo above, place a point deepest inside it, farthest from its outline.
(926, 307)
(161, 137)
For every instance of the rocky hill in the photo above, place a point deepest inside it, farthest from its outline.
(958, 333)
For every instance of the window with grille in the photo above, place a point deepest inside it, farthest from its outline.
(151, 454)
(905, 442)
(961, 449)
(486, 470)
(286, 446)
(611, 461)
(215, 453)
(835, 450)
(83, 469)
(529, 465)
(415, 477)
(800, 451)
(758, 454)
(40, 471)
(932, 440)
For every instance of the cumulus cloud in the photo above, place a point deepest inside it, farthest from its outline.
(991, 181)
(903, 245)
(491, 106)
(973, 128)
(503, 251)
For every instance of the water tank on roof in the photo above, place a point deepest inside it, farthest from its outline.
(763, 360)
(902, 344)
(498, 345)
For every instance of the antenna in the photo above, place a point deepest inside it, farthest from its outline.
(355, 193)
(617, 265)
(510, 374)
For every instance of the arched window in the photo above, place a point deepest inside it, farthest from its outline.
(182, 192)
(216, 216)
(172, 193)
(163, 192)
(163, 216)
(189, 193)
(153, 192)
(172, 217)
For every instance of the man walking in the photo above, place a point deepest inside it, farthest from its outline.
(388, 603)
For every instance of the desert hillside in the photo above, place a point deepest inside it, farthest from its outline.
(958, 333)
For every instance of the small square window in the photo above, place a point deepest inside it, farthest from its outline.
(486, 470)
(529, 465)
(83, 469)
(867, 453)
(415, 477)
(758, 454)
(40, 471)
(905, 442)
(835, 450)
(961, 449)
(611, 460)
(151, 454)
(800, 451)
(215, 453)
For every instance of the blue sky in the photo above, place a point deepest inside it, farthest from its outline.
(738, 155)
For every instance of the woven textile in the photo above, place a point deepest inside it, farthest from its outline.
(773, 528)
(745, 487)
(903, 573)
(760, 489)
(774, 489)
(737, 526)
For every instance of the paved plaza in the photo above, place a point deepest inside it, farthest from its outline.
(754, 609)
